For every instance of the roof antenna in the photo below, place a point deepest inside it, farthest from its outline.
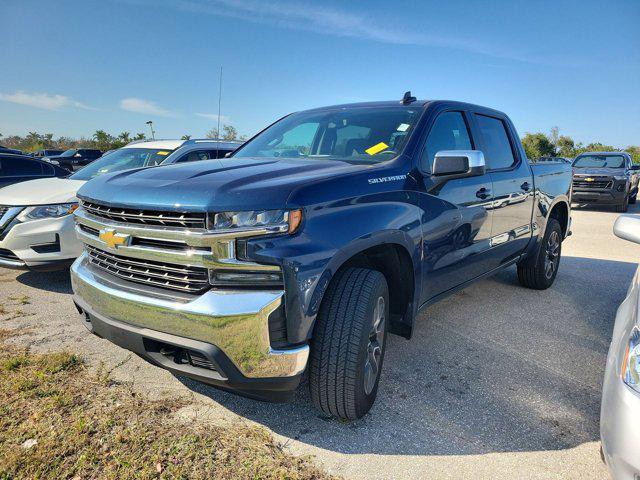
(407, 99)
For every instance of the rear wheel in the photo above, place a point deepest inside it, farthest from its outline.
(542, 273)
(349, 343)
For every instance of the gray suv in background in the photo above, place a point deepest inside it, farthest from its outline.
(605, 178)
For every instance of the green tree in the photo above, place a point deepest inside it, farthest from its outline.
(538, 145)
(634, 152)
(213, 133)
(185, 137)
(565, 146)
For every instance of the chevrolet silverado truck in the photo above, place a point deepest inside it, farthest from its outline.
(309, 245)
(605, 178)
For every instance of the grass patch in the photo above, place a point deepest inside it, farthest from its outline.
(59, 421)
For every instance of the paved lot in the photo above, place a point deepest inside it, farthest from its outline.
(498, 381)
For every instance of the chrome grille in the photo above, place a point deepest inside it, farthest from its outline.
(147, 217)
(602, 183)
(162, 275)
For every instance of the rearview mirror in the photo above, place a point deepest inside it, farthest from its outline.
(449, 164)
(627, 227)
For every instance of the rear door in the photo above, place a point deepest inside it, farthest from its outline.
(513, 192)
(457, 223)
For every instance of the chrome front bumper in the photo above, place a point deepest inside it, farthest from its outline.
(236, 322)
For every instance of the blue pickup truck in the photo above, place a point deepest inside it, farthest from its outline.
(309, 245)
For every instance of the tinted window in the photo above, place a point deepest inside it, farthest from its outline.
(48, 170)
(194, 156)
(19, 167)
(220, 153)
(497, 148)
(449, 132)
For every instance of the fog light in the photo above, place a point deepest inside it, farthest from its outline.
(226, 278)
(621, 187)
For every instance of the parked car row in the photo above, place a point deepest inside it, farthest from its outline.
(36, 228)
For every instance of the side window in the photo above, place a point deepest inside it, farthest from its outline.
(220, 153)
(449, 132)
(194, 156)
(14, 167)
(498, 152)
(48, 170)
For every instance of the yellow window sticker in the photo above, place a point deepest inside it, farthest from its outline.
(377, 148)
(162, 152)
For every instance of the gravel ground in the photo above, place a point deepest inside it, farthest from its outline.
(498, 381)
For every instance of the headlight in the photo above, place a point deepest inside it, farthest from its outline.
(288, 220)
(631, 361)
(619, 177)
(47, 211)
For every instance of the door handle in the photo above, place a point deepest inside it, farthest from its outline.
(525, 186)
(483, 193)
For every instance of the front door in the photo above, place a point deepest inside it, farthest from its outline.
(457, 215)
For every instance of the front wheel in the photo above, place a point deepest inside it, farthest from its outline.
(624, 206)
(542, 273)
(349, 342)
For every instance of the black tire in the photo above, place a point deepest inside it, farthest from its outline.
(346, 340)
(541, 274)
(624, 206)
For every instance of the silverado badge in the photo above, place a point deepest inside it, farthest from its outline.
(113, 239)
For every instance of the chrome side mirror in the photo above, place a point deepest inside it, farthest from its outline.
(627, 227)
(458, 163)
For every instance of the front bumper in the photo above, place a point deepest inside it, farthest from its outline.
(39, 244)
(227, 332)
(603, 197)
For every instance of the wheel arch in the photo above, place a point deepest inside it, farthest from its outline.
(394, 260)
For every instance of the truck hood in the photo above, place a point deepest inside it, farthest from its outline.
(43, 191)
(598, 171)
(212, 185)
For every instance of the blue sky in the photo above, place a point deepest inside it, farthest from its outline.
(71, 67)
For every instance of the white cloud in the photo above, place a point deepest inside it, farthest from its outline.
(42, 100)
(139, 105)
(213, 116)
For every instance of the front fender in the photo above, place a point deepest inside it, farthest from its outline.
(332, 234)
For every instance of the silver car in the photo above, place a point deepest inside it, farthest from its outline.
(620, 411)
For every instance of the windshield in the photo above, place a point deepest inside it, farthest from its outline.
(122, 159)
(599, 161)
(361, 134)
(69, 153)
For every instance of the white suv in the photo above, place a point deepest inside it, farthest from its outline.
(36, 225)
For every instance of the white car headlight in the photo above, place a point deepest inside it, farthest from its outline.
(289, 220)
(47, 211)
(631, 361)
(619, 177)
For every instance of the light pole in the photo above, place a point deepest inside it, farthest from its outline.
(153, 134)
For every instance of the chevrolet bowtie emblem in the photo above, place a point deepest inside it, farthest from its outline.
(588, 179)
(113, 239)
